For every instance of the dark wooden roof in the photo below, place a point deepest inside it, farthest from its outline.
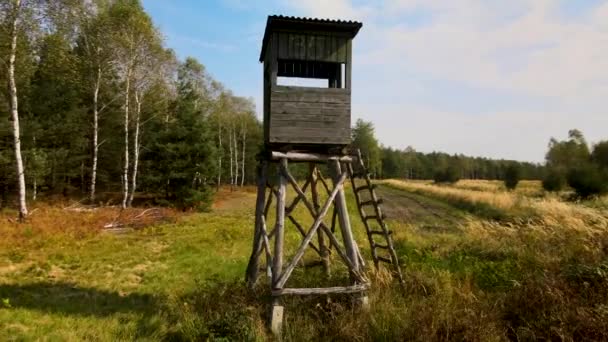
(276, 22)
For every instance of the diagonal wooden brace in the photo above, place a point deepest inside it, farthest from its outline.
(300, 252)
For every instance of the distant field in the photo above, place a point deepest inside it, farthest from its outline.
(480, 263)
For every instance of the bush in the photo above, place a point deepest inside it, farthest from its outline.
(554, 180)
(186, 198)
(588, 180)
(512, 176)
(448, 175)
(600, 154)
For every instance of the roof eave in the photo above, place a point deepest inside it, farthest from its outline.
(352, 27)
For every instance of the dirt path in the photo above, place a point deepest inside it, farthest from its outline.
(406, 207)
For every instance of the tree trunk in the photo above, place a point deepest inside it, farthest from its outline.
(135, 148)
(14, 106)
(125, 170)
(231, 161)
(236, 158)
(95, 135)
(220, 155)
(243, 161)
(82, 182)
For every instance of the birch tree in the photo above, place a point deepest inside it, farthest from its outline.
(14, 12)
(244, 148)
(95, 58)
(133, 30)
(218, 95)
(150, 69)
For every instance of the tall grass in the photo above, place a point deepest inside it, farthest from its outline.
(549, 210)
(543, 277)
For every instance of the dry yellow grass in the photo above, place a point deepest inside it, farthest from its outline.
(539, 277)
(525, 187)
(501, 200)
(549, 211)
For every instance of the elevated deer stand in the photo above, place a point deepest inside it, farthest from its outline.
(311, 125)
(327, 240)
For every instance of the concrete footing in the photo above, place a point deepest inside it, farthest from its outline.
(276, 320)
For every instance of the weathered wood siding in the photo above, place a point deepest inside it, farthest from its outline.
(301, 115)
(312, 47)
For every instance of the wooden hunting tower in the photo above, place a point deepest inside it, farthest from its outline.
(307, 117)
(304, 124)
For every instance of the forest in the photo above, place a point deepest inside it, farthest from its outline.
(98, 108)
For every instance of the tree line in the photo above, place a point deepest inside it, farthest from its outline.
(98, 105)
(572, 162)
(387, 162)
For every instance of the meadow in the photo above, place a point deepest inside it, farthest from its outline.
(480, 263)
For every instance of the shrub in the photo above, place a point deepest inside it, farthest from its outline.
(448, 175)
(588, 180)
(554, 180)
(600, 154)
(186, 198)
(512, 176)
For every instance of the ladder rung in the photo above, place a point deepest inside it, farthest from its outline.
(381, 246)
(388, 261)
(366, 187)
(361, 188)
(372, 202)
(361, 175)
(374, 217)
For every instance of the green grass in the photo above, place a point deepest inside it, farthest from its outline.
(183, 281)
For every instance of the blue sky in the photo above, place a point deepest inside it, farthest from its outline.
(479, 77)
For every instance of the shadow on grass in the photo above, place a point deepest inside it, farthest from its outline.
(70, 299)
(211, 311)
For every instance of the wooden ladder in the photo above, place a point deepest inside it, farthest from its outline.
(380, 230)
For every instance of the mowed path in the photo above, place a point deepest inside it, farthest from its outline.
(412, 208)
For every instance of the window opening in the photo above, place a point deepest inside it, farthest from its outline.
(311, 74)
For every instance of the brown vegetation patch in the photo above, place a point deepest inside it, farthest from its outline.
(77, 221)
(227, 199)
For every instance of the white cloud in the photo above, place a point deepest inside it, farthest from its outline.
(334, 9)
(529, 48)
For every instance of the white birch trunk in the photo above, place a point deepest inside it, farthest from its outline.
(14, 106)
(95, 134)
(231, 161)
(243, 160)
(125, 170)
(221, 154)
(236, 158)
(135, 147)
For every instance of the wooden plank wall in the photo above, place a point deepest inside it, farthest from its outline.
(300, 115)
(312, 47)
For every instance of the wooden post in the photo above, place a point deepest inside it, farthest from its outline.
(258, 239)
(276, 315)
(343, 219)
(320, 235)
(349, 243)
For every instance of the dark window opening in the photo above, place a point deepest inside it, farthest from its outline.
(310, 74)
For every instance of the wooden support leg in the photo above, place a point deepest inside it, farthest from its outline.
(349, 242)
(258, 238)
(276, 318)
(344, 220)
(321, 238)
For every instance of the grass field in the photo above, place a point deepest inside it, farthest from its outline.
(480, 264)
